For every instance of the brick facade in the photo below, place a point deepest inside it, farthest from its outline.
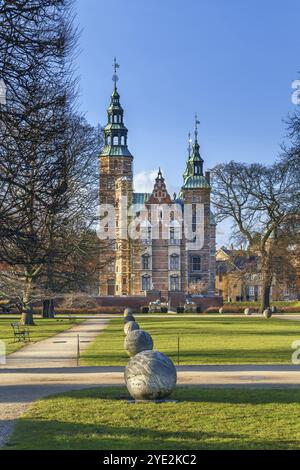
(168, 262)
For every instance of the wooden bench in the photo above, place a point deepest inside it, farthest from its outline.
(21, 333)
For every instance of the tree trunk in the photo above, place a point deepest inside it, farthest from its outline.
(266, 290)
(48, 308)
(27, 314)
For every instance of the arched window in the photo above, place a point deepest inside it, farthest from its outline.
(122, 140)
(116, 140)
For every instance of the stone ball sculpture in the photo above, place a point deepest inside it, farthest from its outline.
(150, 375)
(137, 341)
(128, 312)
(131, 326)
(268, 313)
(129, 319)
(248, 312)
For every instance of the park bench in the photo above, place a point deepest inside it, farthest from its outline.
(21, 333)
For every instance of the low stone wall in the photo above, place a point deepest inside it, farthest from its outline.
(206, 302)
(134, 302)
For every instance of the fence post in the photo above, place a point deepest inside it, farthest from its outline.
(78, 350)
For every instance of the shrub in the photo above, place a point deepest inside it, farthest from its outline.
(289, 310)
(164, 310)
(79, 301)
(180, 309)
(145, 310)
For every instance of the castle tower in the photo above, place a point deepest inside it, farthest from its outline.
(116, 186)
(199, 265)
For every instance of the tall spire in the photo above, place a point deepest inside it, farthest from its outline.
(197, 122)
(194, 167)
(115, 132)
(115, 78)
(190, 145)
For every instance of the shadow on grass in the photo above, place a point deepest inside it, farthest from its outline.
(102, 418)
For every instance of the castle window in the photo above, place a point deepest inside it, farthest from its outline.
(116, 140)
(196, 263)
(122, 140)
(145, 262)
(174, 262)
(111, 287)
(146, 283)
(175, 236)
(110, 183)
(174, 283)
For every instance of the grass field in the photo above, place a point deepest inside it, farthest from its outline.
(42, 330)
(203, 340)
(201, 419)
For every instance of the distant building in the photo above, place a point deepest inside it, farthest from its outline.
(134, 267)
(238, 278)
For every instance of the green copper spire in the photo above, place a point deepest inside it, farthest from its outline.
(115, 132)
(193, 176)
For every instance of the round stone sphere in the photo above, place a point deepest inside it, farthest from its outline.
(268, 313)
(150, 375)
(137, 341)
(128, 312)
(131, 326)
(248, 312)
(129, 319)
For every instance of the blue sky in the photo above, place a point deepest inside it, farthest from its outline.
(232, 61)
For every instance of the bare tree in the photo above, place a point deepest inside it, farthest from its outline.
(48, 154)
(260, 202)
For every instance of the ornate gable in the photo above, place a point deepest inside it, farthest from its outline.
(160, 193)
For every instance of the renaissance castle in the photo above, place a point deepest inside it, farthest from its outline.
(132, 267)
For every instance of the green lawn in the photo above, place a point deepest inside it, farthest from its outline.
(42, 330)
(203, 340)
(201, 419)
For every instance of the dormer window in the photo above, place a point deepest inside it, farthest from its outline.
(116, 140)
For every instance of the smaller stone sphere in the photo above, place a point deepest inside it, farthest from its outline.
(131, 326)
(150, 375)
(129, 319)
(268, 313)
(138, 341)
(128, 312)
(248, 312)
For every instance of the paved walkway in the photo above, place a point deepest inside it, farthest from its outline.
(59, 350)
